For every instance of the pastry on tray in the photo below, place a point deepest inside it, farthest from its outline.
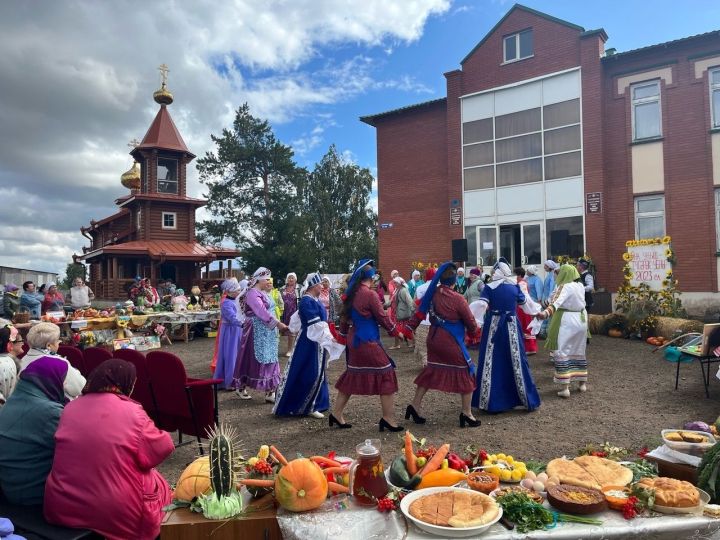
(589, 472)
(671, 492)
(454, 509)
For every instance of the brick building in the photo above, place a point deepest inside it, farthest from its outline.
(547, 145)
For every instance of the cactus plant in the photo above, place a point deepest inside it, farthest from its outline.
(222, 476)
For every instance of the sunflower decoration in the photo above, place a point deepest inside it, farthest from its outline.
(627, 257)
(666, 239)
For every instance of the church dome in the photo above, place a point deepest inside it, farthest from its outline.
(131, 178)
(163, 96)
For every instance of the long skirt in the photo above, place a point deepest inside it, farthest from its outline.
(570, 360)
(504, 380)
(227, 354)
(446, 369)
(369, 372)
(255, 370)
(304, 387)
(529, 340)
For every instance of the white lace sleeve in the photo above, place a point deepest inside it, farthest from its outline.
(320, 334)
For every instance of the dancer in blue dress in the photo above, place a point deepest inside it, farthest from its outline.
(504, 380)
(231, 321)
(304, 388)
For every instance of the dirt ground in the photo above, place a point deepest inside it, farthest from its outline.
(630, 399)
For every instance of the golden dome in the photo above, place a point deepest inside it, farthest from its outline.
(131, 178)
(163, 96)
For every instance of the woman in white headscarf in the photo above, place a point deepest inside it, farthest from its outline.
(228, 340)
(257, 364)
(402, 308)
(504, 380)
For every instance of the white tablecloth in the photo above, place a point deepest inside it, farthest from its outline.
(341, 519)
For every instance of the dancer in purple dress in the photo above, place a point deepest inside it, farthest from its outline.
(290, 296)
(257, 363)
(231, 320)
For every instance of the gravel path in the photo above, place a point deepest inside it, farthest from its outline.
(630, 399)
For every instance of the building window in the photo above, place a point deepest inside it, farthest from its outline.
(646, 116)
(138, 220)
(649, 217)
(167, 177)
(715, 96)
(565, 237)
(518, 46)
(169, 220)
(717, 218)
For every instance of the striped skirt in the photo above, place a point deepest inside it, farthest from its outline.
(570, 360)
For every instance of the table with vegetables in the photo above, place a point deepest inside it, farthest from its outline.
(430, 491)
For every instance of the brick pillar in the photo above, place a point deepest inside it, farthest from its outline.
(454, 171)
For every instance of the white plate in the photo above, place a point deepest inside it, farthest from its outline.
(704, 499)
(695, 449)
(445, 532)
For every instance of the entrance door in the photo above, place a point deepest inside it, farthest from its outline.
(511, 244)
(487, 245)
(532, 243)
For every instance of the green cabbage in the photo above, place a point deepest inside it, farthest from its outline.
(222, 507)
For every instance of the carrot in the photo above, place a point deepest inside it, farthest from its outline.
(322, 460)
(337, 488)
(410, 455)
(278, 455)
(434, 463)
(256, 482)
(336, 470)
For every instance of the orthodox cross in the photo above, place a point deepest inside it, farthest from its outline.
(133, 143)
(164, 70)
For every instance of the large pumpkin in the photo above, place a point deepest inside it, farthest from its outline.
(194, 480)
(300, 485)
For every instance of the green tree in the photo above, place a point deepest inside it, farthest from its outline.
(73, 270)
(252, 182)
(336, 201)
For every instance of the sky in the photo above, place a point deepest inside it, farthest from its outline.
(77, 77)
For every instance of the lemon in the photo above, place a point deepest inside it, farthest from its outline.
(516, 475)
(510, 459)
(486, 462)
(501, 456)
(492, 457)
(505, 475)
(494, 470)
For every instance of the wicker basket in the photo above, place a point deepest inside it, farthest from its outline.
(21, 317)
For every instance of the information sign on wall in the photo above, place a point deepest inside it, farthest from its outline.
(593, 203)
(649, 265)
(455, 215)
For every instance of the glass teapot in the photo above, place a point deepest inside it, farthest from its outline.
(367, 474)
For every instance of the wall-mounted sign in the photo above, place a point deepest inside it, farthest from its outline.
(455, 215)
(593, 203)
(386, 225)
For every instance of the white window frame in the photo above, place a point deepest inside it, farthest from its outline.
(177, 177)
(516, 37)
(714, 114)
(656, 213)
(634, 102)
(717, 219)
(174, 217)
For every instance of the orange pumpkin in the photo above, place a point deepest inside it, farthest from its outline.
(194, 480)
(300, 485)
(615, 332)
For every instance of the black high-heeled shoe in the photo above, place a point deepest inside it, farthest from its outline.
(334, 421)
(384, 424)
(465, 419)
(410, 411)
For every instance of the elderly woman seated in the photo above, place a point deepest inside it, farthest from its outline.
(44, 340)
(103, 475)
(28, 422)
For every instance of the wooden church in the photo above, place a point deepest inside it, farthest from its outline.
(152, 234)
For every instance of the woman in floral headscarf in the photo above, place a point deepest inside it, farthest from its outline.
(257, 364)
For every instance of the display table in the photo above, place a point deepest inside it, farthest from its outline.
(258, 522)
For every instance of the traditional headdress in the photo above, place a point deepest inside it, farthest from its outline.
(313, 279)
(427, 299)
(552, 265)
(400, 281)
(415, 273)
(260, 274)
(532, 270)
(360, 274)
(567, 274)
(11, 287)
(502, 273)
(289, 275)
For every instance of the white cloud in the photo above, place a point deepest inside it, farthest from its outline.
(77, 80)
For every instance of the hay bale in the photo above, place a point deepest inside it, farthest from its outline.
(596, 324)
(668, 327)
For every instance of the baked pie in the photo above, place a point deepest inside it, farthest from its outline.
(454, 509)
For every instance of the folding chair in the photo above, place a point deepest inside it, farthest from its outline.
(94, 356)
(74, 356)
(142, 393)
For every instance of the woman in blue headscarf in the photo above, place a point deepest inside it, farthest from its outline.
(504, 380)
(449, 367)
(370, 371)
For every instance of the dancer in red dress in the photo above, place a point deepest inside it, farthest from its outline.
(524, 319)
(370, 371)
(449, 367)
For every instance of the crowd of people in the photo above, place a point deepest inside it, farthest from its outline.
(56, 426)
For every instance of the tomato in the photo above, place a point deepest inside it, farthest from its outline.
(651, 340)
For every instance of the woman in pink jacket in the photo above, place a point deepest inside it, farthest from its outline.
(102, 476)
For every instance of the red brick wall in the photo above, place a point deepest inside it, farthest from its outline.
(412, 189)
(555, 48)
(689, 198)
